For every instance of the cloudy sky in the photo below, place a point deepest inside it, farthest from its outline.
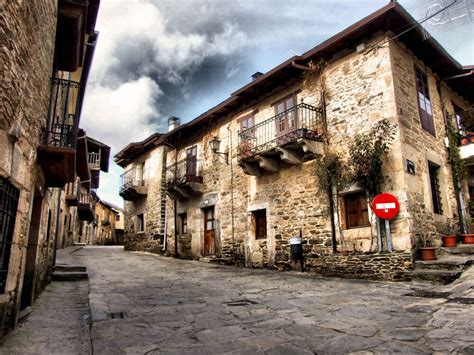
(161, 58)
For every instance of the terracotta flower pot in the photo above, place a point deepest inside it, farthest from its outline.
(449, 241)
(468, 238)
(427, 253)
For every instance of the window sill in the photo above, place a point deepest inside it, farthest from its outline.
(353, 228)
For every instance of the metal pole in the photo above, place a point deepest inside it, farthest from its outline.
(388, 235)
(379, 235)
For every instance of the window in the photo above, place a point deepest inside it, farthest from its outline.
(424, 101)
(140, 226)
(356, 210)
(183, 218)
(143, 174)
(434, 184)
(247, 122)
(260, 220)
(8, 205)
(191, 161)
(117, 217)
(285, 121)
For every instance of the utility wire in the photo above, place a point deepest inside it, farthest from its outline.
(416, 24)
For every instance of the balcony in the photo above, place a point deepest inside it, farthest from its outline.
(289, 138)
(465, 124)
(86, 207)
(184, 179)
(94, 161)
(56, 154)
(72, 192)
(133, 185)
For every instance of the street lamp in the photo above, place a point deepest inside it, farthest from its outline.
(214, 144)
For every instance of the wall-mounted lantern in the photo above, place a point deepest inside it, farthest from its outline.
(214, 144)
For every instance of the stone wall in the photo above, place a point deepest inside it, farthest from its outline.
(26, 58)
(420, 146)
(396, 266)
(151, 239)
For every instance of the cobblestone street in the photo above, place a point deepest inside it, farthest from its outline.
(145, 304)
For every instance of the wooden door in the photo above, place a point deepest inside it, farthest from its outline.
(191, 163)
(209, 232)
(286, 122)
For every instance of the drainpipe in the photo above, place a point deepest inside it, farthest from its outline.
(175, 208)
(231, 194)
(56, 232)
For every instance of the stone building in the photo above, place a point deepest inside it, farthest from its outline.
(47, 49)
(109, 220)
(241, 178)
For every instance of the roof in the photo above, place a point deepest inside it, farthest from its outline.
(392, 17)
(111, 205)
(135, 149)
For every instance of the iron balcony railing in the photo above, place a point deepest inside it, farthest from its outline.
(131, 178)
(61, 130)
(94, 160)
(464, 123)
(186, 170)
(300, 121)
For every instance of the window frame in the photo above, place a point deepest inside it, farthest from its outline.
(140, 226)
(435, 187)
(260, 222)
(422, 88)
(362, 211)
(183, 223)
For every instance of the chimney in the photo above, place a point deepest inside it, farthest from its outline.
(256, 75)
(173, 123)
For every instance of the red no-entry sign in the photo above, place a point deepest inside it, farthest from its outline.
(385, 206)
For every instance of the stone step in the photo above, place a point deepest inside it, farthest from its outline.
(69, 276)
(70, 268)
(436, 276)
(446, 263)
(461, 249)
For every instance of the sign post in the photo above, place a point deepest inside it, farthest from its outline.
(386, 207)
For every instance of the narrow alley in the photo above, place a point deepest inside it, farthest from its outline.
(137, 303)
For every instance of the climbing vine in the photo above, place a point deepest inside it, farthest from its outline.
(366, 155)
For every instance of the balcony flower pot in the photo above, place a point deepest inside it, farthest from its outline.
(449, 241)
(427, 253)
(468, 238)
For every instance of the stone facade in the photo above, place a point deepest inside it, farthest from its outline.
(41, 218)
(214, 207)
(144, 214)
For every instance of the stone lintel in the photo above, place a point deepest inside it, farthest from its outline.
(289, 156)
(310, 146)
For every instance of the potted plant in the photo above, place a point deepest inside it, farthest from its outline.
(424, 236)
(468, 238)
(244, 149)
(450, 233)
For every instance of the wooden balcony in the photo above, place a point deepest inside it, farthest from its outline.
(289, 138)
(72, 192)
(184, 179)
(86, 207)
(133, 185)
(56, 154)
(94, 161)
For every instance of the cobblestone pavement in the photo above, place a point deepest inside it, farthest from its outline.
(146, 304)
